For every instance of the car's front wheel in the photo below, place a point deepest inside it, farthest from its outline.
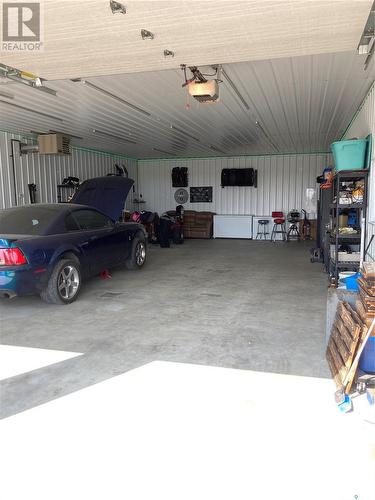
(64, 283)
(137, 256)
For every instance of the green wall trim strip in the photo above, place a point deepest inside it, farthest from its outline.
(358, 110)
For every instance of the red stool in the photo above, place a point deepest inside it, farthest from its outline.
(278, 225)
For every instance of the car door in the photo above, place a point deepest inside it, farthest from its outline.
(101, 241)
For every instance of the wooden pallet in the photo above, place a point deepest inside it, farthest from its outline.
(367, 286)
(347, 332)
(368, 270)
(350, 328)
(366, 317)
(367, 301)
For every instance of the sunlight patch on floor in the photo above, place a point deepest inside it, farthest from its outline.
(177, 431)
(15, 360)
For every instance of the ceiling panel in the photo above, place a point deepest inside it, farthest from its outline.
(84, 38)
(302, 104)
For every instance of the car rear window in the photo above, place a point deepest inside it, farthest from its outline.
(27, 220)
(71, 223)
(91, 219)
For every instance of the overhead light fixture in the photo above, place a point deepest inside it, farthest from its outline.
(177, 129)
(6, 94)
(117, 7)
(234, 88)
(367, 42)
(112, 96)
(24, 77)
(259, 125)
(168, 53)
(217, 150)
(147, 35)
(32, 111)
(105, 134)
(164, 152)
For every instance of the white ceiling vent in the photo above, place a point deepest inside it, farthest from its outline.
(54, 144)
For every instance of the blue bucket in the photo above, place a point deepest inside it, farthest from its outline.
(351, 282)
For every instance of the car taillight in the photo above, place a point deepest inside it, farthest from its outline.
(12, 257)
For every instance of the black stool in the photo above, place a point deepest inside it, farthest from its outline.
(294, 218)
(262, 229)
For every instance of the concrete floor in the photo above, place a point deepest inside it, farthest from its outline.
(167, 431)
(227, 303)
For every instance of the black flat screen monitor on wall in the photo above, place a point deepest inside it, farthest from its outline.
(238, 177)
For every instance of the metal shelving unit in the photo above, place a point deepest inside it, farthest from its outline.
(335, 207)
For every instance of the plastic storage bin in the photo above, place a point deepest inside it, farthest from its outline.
(349, 155)
(367, 359)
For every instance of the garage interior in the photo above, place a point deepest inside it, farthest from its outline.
(203, 374)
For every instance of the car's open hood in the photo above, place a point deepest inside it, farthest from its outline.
(107, 194)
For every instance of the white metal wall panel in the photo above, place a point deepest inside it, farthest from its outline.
(362, 125)
(282, 183)
(46, 171)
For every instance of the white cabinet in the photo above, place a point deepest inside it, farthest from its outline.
(233, 226)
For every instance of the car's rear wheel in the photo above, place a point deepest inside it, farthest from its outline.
(64, 283)
(137, 256)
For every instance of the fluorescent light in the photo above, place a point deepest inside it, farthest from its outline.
(32, 111)
(217, 149)
(6, 94)
(162, 151)
(259, 125)
(236, 91)
(24, 77)
(113, 96)
(173, 127)
(105, 134)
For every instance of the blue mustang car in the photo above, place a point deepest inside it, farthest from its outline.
(49, 249)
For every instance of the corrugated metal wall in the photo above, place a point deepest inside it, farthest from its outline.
(362, 125)
(46, 171)
(282, 183)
